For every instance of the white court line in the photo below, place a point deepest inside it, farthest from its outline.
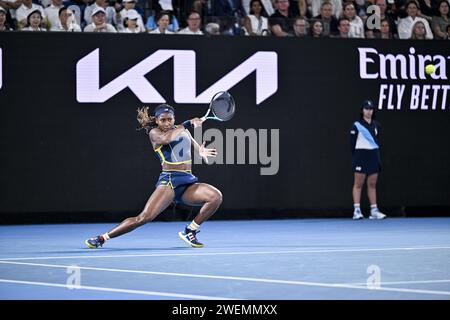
(226, 253)
(148, 293)
(205, 276)
(404, 282)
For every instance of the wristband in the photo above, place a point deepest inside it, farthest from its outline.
(187, 124)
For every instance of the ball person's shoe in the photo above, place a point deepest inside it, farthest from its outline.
(357, 215)
(190, 237)
(377, 215)
(95, 242)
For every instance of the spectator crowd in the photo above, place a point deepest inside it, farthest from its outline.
(382, 19)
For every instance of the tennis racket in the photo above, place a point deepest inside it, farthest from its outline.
(221, 108)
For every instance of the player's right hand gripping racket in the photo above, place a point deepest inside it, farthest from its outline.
(221, 108)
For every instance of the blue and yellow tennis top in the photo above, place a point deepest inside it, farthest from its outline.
(177, 151)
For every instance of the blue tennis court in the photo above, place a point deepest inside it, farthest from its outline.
(397, 258)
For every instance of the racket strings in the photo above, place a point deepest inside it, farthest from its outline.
(223, 108)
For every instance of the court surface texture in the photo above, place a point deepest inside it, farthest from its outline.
(396, 258)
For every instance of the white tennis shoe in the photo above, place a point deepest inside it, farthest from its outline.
(377, 215)
(357, 215)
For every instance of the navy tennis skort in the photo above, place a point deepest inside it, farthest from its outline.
(179, 181)
(366, 161)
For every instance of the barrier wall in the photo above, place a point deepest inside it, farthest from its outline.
(69, 143)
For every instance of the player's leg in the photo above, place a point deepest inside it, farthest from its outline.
(206, 196)
(372, 195)
(158, 201)
(358, 184)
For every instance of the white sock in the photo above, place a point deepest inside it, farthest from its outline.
(106, 236)
(193, 226)
(357, 207)
(373, 208)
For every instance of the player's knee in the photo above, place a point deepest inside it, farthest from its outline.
(371, 185)
(217, 197)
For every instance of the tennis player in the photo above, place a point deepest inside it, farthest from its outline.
(172, 144)
(366, 161)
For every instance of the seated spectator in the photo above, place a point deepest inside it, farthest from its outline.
(267, 7)
(356, 23)
(344, 28)
(329, 21)
(316, 29)
(255, 23)
(4, 26)
(385, 31)
(34, 21)
(52, 12)
(99, 24)
(110, 12)
(66, 21)
(25, 9)
(194, 22)
(162, 20)
(373, 31)
(441, 21)
(405, 25)
(120, 15)
(131, 23)
(212, 29)
(419, 31)
(173, 25)
(281, 22)
(361, 7)
(428, 9)
(336, 7)
(301, 27)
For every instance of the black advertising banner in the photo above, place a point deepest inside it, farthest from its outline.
(68, 119)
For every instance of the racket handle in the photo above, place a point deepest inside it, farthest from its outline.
(203, 118)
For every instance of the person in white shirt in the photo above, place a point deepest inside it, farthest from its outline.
(131, 23)
(405, 26)
(119, 17)
(25, 9)
(66, 21)
(52, 12)
(99, 23)
(194, 22)
(11, 5)
(356, 23)
(109, 15)
(34, 20)
(162, 20)
(254, 23)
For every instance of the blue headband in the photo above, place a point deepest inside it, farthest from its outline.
(162, 110)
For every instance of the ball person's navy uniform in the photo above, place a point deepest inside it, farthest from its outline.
(365, 148)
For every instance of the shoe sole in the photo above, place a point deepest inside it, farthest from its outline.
(180, 235)
(360, 218)
(374, 218)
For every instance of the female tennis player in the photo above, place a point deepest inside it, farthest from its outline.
(366, 160)
(172, 144)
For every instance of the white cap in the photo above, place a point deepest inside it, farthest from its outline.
(128, 0)
(132, 14)
(2, 9)
(97, 10)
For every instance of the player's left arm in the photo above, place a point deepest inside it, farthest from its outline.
(202, 151)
